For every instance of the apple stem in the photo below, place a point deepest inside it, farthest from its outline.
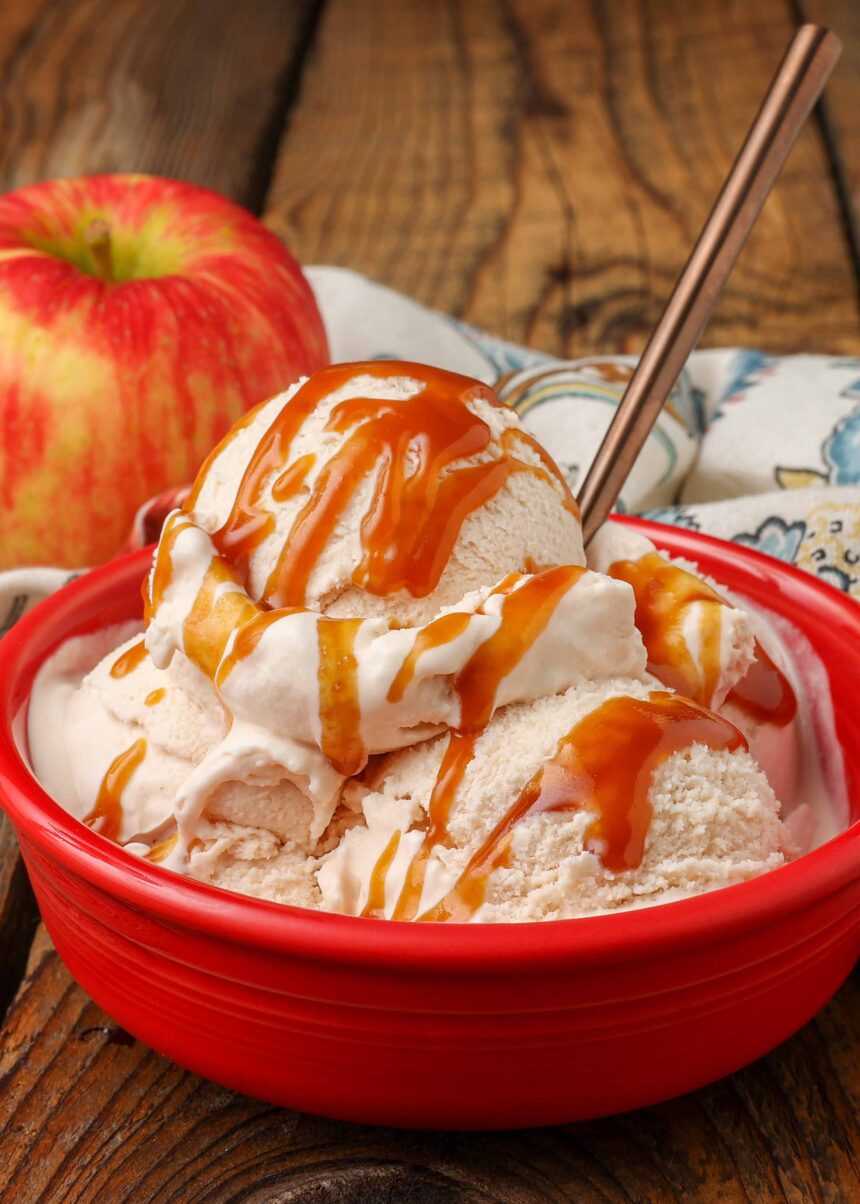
(97, 237)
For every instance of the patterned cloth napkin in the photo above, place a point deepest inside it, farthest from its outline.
(760, 449)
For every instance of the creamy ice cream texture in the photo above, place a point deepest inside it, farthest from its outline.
(378, 677)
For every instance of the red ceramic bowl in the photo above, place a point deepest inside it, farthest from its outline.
(445, 1026)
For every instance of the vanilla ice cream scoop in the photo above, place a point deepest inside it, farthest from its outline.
(355, 687)
(697, 643)
(611, 794)
(383, 489)
(701, 643)
(380, 488)
(124, 745)
(378, 677)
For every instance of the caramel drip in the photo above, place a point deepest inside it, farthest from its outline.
(506, 586)
(525, 614)
(129, 660)
(247, 639)
(106, 816)
(291, 480)
(218, 609)
(155, 589)
(663, 591)
(458, 754)
(550, 472)
(340, 706)
(524, 617)
(411, 525)
(155, 697)
(764, 693)
(162, 850)
(408, 447)
(441, 631)
(249, 521)
(374, 908)
(605, 765)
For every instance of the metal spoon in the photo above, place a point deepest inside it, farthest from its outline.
(798, 83)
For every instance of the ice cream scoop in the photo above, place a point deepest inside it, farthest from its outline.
(377, 677)
(383, 489)
(607, 795)
(704, 644)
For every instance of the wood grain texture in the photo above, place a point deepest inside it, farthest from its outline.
(195, 89)
(542, 167)
(18, 915)
(85, 1116)
(841, 108)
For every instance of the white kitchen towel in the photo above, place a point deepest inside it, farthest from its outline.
(760, 449)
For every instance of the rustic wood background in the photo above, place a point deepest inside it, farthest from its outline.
(539, 167)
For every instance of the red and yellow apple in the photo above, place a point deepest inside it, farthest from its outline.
(139, 317)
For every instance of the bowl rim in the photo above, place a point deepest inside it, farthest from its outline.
(634, 935)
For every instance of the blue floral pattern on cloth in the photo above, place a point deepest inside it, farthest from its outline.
(776, 537)
(674, 516)
(748, 367)
(841, 452)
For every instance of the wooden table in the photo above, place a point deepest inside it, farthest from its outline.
(539, 167)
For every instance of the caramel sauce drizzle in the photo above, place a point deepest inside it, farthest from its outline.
(551, 471)
(248, 636)
(291, 480)
(525, 615)
(441, 631)
(155, 697)
(159, 852)
(129, 660)
(663, 591)
(106, 816)
(214, 615)
(155, 588)
(419, 500)
(374, 908)
(414, 518)
(249, 521)
(605, 764)
(458, 754)
(506, 586)
(340, 707)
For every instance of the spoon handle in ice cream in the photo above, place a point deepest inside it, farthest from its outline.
(798, 83)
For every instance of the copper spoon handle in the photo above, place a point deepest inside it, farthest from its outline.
(796, 86)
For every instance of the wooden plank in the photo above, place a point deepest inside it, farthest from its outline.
(841, 109)
(18, 915)
(87, 1116)
(541, 167)
(195, 90)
